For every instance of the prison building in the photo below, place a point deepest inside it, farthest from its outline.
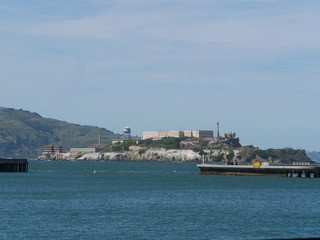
(49, 149)
(177, 134)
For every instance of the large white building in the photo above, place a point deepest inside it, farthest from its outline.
(178, 134)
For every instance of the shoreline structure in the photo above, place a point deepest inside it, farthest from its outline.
(257, 169)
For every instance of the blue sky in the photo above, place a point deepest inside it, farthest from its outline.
(168, 65)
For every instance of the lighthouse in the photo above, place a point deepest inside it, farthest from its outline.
(217, 130)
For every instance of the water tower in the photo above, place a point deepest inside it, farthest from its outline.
(127, 133)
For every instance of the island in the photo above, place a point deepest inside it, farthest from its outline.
(225, 149)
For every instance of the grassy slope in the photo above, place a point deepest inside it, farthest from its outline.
(22, 133)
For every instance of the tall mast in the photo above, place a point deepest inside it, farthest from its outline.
(217, 129)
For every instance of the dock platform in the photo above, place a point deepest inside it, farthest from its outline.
(13, 165)
(307, 171)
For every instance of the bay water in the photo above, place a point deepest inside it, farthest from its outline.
(153, 200)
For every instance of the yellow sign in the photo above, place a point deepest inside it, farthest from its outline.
(256, 164)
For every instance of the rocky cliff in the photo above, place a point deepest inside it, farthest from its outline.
(153, 154)
(246, 154)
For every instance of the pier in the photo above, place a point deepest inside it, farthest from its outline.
(13, 165)
(306, 171)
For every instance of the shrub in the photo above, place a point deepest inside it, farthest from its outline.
(217, 158)
(142, 151)
(230, 156)
(168, 143)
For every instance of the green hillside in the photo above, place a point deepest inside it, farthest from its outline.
(22, 133)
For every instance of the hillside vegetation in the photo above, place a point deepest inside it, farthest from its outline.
(22, 133)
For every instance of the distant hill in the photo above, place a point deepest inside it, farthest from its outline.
(23, 133)
(315, 156)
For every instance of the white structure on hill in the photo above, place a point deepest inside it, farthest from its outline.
(178, 134)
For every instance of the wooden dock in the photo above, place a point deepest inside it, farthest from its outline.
(306, 171)
(13, 165)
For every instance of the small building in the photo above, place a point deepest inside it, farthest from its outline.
(202, 134)
(116, 142)
(230, 135)
(49, 149)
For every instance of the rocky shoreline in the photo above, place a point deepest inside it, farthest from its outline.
(154, 154)
(245, 154)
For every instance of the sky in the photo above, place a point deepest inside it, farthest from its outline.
(152, 65)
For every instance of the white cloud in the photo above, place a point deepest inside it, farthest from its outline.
(147, 41)
(235, 29)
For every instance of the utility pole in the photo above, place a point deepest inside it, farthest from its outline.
(217, 129)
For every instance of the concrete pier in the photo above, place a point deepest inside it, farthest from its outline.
(299, 171)
(13, 165)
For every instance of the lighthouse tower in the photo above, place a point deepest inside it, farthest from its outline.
(217, 130)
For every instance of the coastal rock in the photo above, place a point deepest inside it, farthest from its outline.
(225, 143)
(157, 155)
(172, 155)
(245, 154)
(214, 143)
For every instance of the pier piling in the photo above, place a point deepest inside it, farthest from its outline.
(13, 165)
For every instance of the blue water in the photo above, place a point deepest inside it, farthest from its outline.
(140, 200)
